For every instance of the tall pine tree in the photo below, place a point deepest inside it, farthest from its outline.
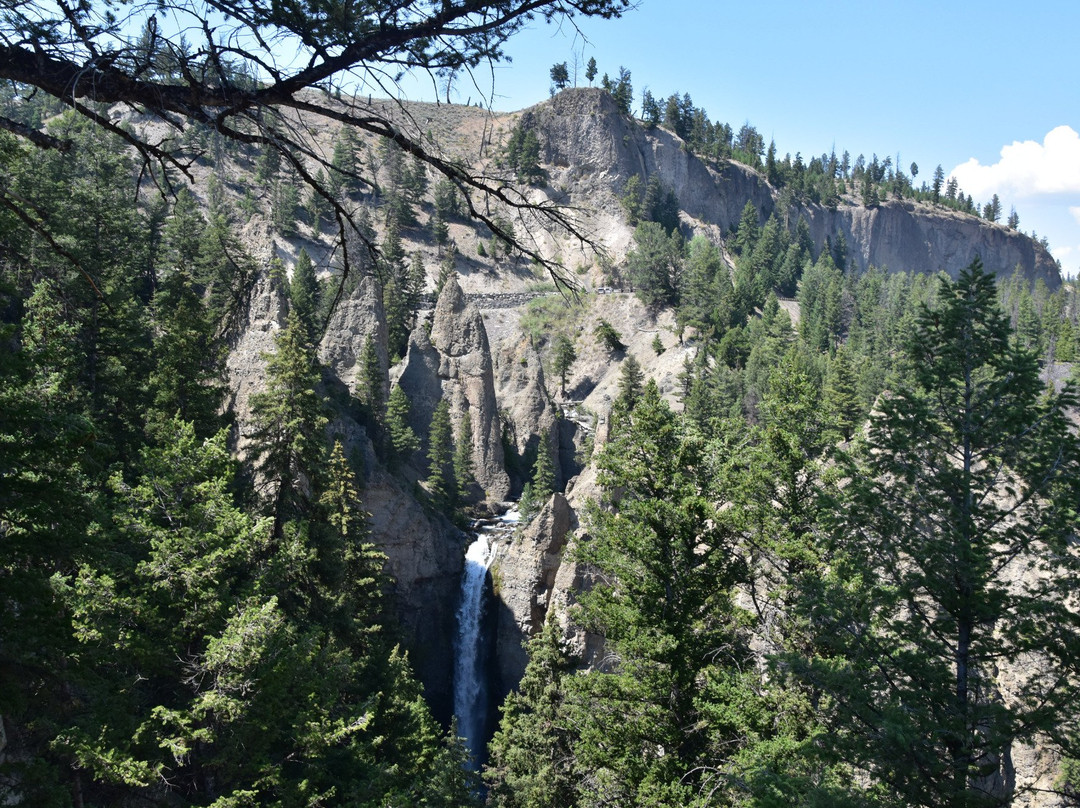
(440, 480)
(949, 558)
(289, 440)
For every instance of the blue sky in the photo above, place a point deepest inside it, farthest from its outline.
(946, 82)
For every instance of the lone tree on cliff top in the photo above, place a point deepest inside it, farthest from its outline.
(243, 69)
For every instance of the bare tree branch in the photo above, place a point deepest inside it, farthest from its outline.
(238, 80)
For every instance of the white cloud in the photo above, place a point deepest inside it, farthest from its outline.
(1027, 168)
(1075, 212)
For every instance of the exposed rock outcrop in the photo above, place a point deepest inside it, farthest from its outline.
(594, 149)
(355, 320)
(245, 367)
(419, 378)
(591, 150)
(906, 236)
(424, 554)
(537, 574)
(527, 406)
(524, 575)
(425, 557)
(455, 363)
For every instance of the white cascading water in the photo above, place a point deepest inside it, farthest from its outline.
(470, 686)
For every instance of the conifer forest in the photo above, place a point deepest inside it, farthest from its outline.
(778, 507)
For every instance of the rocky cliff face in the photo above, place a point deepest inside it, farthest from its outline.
(356, 319)
(425, 558)
(454, 363)
(906, 236)
(528, 407)
(593, 150)
(536, 576)
(468, 382)
(424, 553)
(245, 366)
(524, 575)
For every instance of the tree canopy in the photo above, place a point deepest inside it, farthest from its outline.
(950, 554)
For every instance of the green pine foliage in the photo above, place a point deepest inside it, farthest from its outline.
(774, 478)
(631, 384)
(188, 379)
(653, 203)
(660, 205)
(610, 338)
(183, 232)
(770, 338)
(621, 90)
(655, 265)
(415, 181)
(522, 155)
(47, 497)
(403, 441)
(563, 356)
(288, 439)
(447, 200)
(840, 396)
(344, 178)
(631, 200)
(164, 642)
(317, 207)
(441, 484)
(541, 486)
(706, 292)
(962, 480)
(590, 70)
(560, 77)
(893, 712)
(464, 464)
(446, 271)
(796, 607)
(264, 652)
(397, 318)
(415, 285)
(748, 231)
(371, 384)
(226, 271)
(663, 605)
(820, 304)
(183, 575)
(305, 294)
(402, 286)
(284, 207)
(532, 757)
(348, 569)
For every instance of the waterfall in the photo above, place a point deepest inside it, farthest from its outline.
(470, 685)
